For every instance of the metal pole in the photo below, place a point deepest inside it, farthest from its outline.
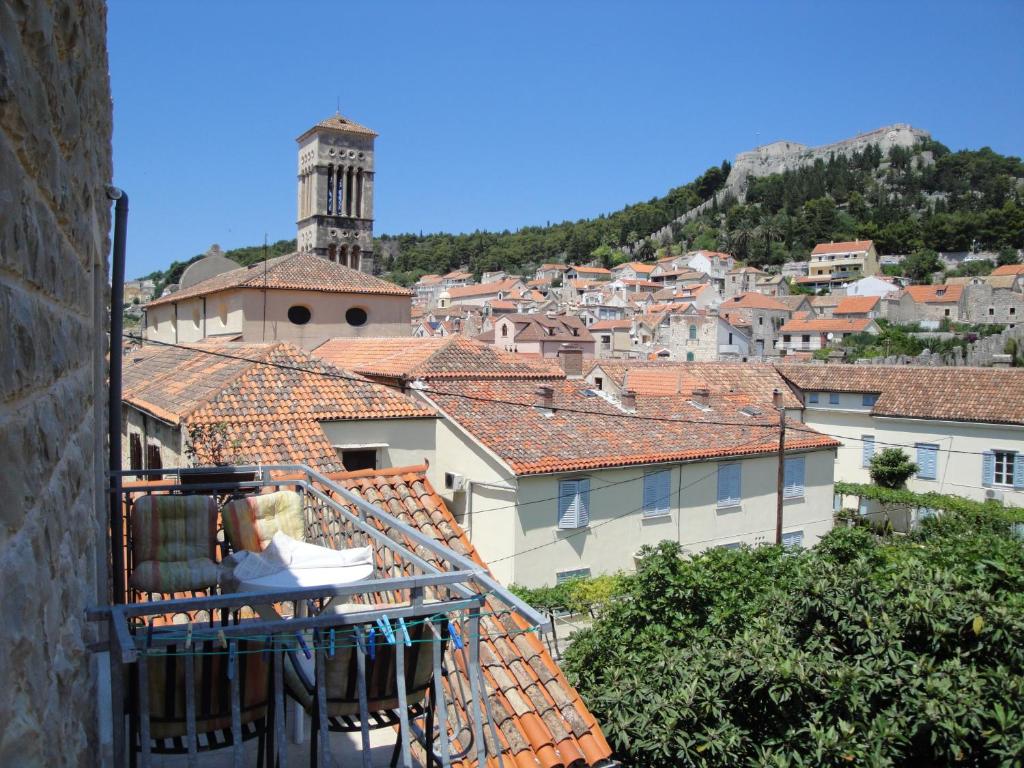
(114, 395)
(777, 397)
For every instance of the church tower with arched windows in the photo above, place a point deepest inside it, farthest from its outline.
(336, 192)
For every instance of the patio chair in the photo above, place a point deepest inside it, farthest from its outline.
(251, 522)
(173, 544)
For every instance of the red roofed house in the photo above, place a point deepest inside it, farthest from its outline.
(765, 314)
(810, 334)
(541, 335)
(302, 298)
(480, 294)
(581, 272)
(856, 258)
(857, 307)
(705, 335)
(613, 337)
(741, 280)
(934, 303)
(632, 270)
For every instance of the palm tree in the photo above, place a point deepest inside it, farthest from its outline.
(742, 238)
(770, 232)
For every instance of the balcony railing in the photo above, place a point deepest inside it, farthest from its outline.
(194, 672)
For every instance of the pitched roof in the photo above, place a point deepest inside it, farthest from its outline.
(537, 326)
(1009, 269)
(483, 289)
(994, 395)
(551, 266)
(850, 246)
(827, 325)
(612, 325)
(342, 124)
(271, 403)
(448, 357)
(531, 441)
(813, 279)
(641, 283)
(829, 300)
(753, 300)
(856, 305)
(541, 720)
(295, 271)
(747, 270)
(934, 294)
(636, 266)
(791, 302)
(458, 274)
(582, 270)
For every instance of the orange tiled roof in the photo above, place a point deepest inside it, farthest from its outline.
(935, 294)
(827, 325)
(483, 289)
(295, 271)
(642, 283)
(636, 266)
(502, 304)
(994, 395)
(546, 267)
(449, 357)
(272, 413)
(537, 326)
(541, 720)
(1008, 269)
(753, 300)
(580, 270)
(856, 305)
(531, 442)
(851, 246)
(342, 124)
(813, 279)
(612, 325)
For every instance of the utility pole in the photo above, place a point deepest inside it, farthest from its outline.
(777, 401)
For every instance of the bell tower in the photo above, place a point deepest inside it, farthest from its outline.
(335, 194)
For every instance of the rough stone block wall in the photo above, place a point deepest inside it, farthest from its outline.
(1006, 305)
(55, 160)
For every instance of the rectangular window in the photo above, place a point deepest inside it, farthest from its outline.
(869, 399)
(729, 489)
(362, 458)
(135, 452)
(574, 503)
(833, 398)
(154, 460)
(793, 539)
(1005, 463)
(577, 573)
(927, 461)
(793, 482)
(657, 490)
(812, 397)
(867, 449)
(731, 545)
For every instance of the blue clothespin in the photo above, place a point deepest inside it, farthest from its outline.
(371, 643)
(232, 651)
(385, 627)
(330, 651)
(454, 635)
(302, 644)
(405, 632)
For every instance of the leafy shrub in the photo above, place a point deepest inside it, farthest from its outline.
(891, 468)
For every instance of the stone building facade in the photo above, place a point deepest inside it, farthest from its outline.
(990, 304)
(55, 163)
(335, 192)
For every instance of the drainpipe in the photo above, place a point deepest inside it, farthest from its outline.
(114, 395)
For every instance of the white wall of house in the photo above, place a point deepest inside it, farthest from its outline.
(398, 442)
(169, 438)
(960, 474)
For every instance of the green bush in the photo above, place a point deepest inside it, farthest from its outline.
(891, 468)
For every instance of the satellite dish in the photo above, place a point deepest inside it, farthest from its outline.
(830, 336)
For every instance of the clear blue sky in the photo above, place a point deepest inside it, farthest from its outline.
(500, 115)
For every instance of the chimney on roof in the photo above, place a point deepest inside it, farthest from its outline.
(777, 397)
(571, 358)
(628, 399)
(544, 397)
(701, 396)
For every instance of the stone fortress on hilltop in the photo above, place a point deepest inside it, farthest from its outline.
(781, 156)
(335, 192)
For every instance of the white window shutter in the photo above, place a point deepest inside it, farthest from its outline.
(988, 468)
(567, 494)
(793, 481)
(1018, 470)
(583, 504)
(867, 450)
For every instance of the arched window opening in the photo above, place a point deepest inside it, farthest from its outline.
(330, 189)
(693, 331)
(299, 315)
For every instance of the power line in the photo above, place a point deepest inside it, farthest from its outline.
(519, 404)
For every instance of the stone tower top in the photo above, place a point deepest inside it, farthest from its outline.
(335, 192)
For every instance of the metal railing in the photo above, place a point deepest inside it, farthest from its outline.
(419, 613)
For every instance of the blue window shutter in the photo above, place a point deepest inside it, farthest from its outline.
(867, 449)
(729, 488)
(656, 492)
(833, 398)
(583, 503)
(793, 482)
(927, 461)
(793, 539)
(988, 468)
(1018, 470)
(568, 491)
(812, 397)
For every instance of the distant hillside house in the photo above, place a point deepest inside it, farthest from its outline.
(857, 258)
(301, 298)
(540, 335)
(809, 334)
(479, 294)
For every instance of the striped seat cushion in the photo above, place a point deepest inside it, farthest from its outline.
(251, 523)
(173, 543)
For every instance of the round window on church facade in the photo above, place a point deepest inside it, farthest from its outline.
(299, 315)
(356, 316)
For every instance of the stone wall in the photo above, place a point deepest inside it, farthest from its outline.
(980, 353)
(55, 160)
(985, 304)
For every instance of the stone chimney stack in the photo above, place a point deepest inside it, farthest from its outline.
(628, 399)
(777, 398)
(571, 358)
(544, 397)
(702, 396)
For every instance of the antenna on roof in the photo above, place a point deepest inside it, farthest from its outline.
(264, 286)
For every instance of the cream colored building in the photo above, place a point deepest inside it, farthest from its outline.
(856, 258)
(964, 427)
(300, 298)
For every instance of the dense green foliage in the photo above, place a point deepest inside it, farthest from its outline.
(572, 596)
(244, 256)
(891, 468)
(909, 340)
(985, 511)
(899, 652)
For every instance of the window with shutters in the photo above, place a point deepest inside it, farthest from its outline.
(812, 397)
(927, 461)
(657, 490)
(869, 399)
(1003, 467)
(576, 573)
(135, 452)
(793, 539)
(729, 485)
(574, 503)
(833, 398)
(154, 460)
(867, 449)
(793, 478)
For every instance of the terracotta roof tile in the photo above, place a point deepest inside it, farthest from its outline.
(935, 294)
(541, 718)
(827, 325)
(338, 123)
(484, 289)
(296, 271)
(852, 246)
(753, 300)
(273, 413)
(1009, 269)
(612, 325)
(856, 305)
(994, 395)
(636, 266)
(581, 270)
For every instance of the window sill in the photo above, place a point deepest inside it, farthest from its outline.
(660, 516)
(572, 530)
(787, 499)
(729, 507)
